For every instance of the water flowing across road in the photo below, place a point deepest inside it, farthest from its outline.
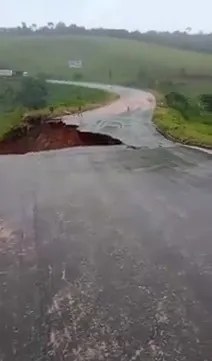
(106, 252)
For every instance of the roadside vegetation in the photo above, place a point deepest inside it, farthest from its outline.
(160, 62)
(187, 120)
(36, 98)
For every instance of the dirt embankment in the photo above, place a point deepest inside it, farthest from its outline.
(50, 135)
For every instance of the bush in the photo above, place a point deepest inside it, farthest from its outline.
(171, 124)
(33, 93)
(179, 102)
(77, 76)
(206, 102)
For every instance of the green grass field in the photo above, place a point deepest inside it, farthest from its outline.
(125, 58)
(63, 94)
(62, 97)
(119, 61)
(196, 131)
(72, 95)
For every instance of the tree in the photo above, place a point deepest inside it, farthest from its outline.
(206, 102)
(77, 76)
(7, 97)
(179, 102)
(32, 94)
(33, 27)
(188, 29)
(50, 25)
(144, 80)
(174, 98)
(110, 74)
(60, 26)
(23, 25)
(24, 29)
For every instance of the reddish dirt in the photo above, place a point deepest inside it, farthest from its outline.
(46, 136)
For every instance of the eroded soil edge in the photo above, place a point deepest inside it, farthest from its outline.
(39, 136)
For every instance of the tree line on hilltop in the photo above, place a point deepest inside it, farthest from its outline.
(184, 40)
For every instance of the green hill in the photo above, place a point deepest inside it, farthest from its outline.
(107, 60)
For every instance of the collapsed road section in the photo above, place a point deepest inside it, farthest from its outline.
(106, 254)
(50, 135)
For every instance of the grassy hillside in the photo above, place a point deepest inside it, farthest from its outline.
(58, 94)
(61, 97)
(196, 131)
(127, 59)
(111, 60)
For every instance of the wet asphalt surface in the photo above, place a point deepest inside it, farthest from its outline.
(106, 252)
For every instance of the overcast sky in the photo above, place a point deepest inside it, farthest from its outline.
(129, 14)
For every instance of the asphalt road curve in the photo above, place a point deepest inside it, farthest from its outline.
(106, 252)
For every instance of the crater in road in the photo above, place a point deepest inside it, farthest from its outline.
(47, 136)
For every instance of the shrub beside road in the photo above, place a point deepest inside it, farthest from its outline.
(37, 98)
(193, 130)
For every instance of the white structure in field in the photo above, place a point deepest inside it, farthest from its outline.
(6, 72)
(77, 64)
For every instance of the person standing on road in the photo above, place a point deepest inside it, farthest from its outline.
(80, 110)
(80, 115)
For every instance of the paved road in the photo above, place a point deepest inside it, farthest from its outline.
(117, 121)
(106, 252)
